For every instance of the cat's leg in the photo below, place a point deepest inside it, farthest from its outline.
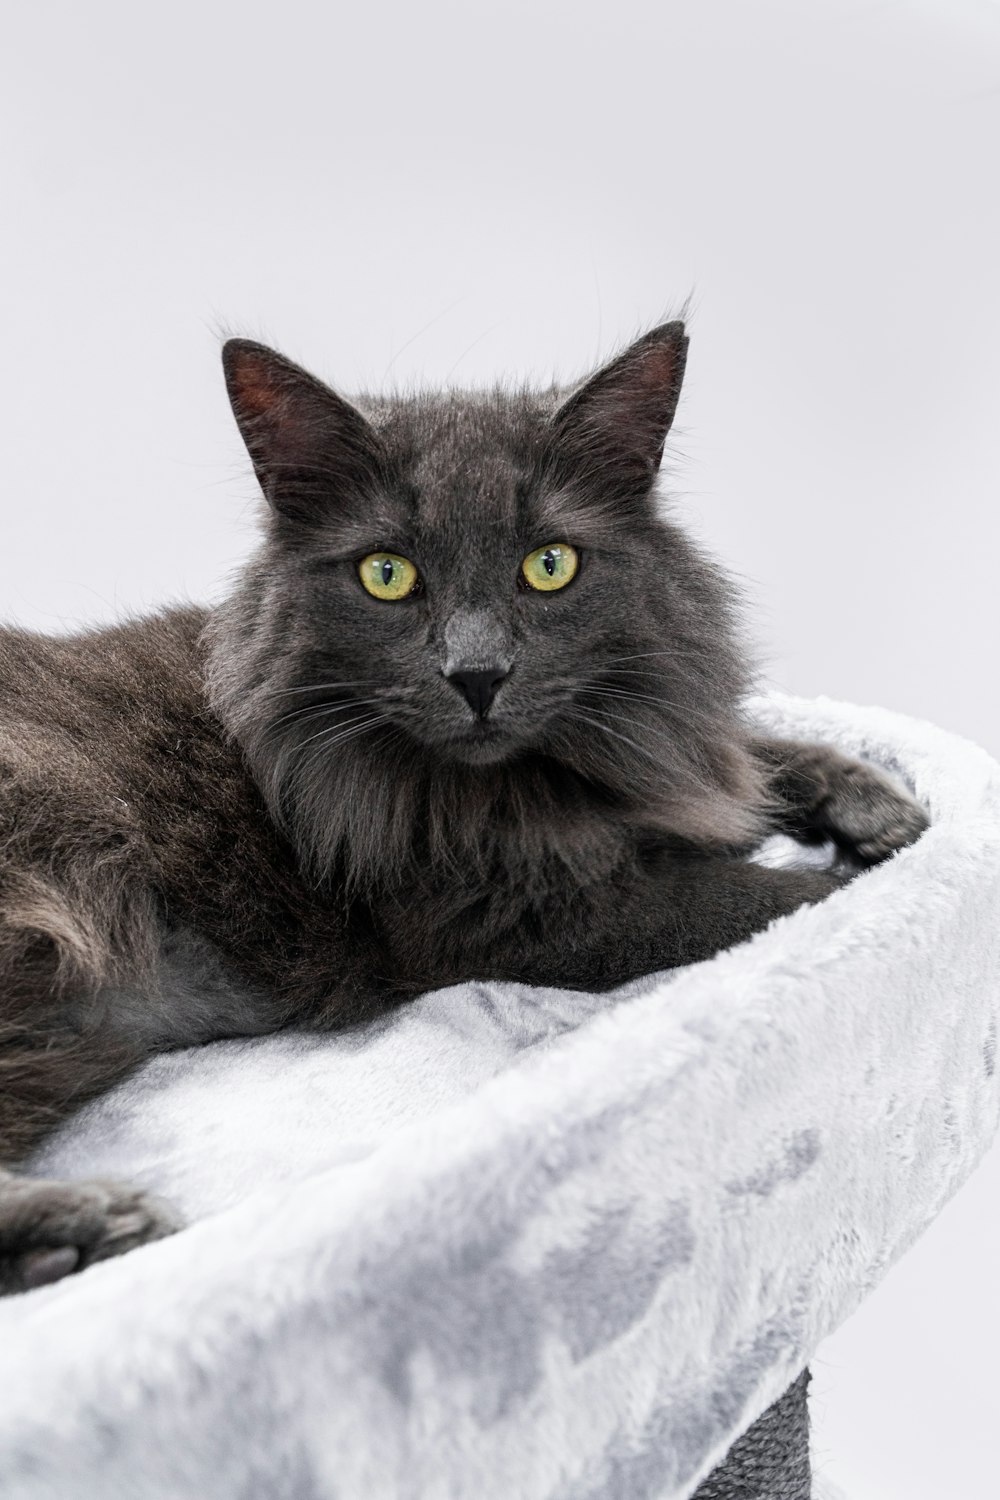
(49, 1229)
(822, 793)
(684, 908)
(58, 1047)
(676, 907)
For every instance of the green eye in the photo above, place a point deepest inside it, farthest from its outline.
(550, 567)
(387, 576)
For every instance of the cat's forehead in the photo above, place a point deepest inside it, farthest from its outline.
(466, 455)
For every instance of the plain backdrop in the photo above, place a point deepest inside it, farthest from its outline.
(399, 193)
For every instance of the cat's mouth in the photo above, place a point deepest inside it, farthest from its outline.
(482, 742)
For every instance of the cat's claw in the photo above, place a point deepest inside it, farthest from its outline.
(48, 1230)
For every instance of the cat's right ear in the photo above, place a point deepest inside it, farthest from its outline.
(310, 448)
(609, 433)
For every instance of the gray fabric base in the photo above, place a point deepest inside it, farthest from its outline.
(771, 1460)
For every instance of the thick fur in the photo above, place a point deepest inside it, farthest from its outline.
(289, 797)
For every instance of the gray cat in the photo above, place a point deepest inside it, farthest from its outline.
(473, 710)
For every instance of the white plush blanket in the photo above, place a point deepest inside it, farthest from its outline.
(513, 1242)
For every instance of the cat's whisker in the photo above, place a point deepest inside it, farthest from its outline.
(647, 672)
(281, 727)
(596, 724)
(641, 655)
(317, 758)
(321, 750)
(315, 710)
(337, 732)
(685, 770)
(325, 733)
(605, 692)
(324, 687)
(668, 703)
(327, 739)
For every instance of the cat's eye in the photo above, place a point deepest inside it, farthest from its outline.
(386, 575)
(550, 567)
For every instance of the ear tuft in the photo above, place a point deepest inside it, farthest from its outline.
(613, 427)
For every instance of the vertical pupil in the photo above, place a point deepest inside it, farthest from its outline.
(387, 572)
(549, 561)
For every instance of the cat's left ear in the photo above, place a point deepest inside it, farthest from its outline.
(310, 448)
(613, 427)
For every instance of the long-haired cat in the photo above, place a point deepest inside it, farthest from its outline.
(472, 710)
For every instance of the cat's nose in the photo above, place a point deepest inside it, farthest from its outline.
(478, 688)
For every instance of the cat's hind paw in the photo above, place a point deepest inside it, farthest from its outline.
(49, 1230)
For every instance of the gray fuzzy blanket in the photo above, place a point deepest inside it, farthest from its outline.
(515, 1242)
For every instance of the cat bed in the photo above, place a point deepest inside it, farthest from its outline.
(522, 1242)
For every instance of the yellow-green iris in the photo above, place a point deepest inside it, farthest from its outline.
(550, 567)
(386, 575)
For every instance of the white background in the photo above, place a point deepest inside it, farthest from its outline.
(401, 192)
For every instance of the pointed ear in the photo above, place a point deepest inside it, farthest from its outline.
(310, 448)
(612, 428)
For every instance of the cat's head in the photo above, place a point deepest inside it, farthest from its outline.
(475, 587)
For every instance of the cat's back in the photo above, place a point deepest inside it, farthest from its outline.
(112, 722)
(85, 683)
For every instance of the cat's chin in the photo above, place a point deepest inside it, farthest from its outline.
(483, 746)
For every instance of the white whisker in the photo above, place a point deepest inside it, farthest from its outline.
(670, 703)
(324, 687)
(595, 724)
(337, 732)
(316, 710)
(641, 655)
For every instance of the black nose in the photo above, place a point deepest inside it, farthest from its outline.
(478, 688)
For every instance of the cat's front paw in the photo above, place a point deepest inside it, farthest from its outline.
(866, 814)
(50, 1229)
